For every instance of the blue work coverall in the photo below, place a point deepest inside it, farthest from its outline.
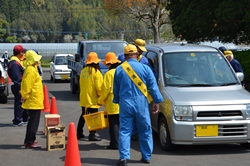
(134, 108)
(237, 67)
(142, 59)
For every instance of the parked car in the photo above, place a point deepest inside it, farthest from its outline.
(205, 102)
(59, 67)
(4, 89)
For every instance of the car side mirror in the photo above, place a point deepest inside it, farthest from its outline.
(77, 57)
(240, 76)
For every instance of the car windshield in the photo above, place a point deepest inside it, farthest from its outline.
(197, 69)
(61, 60)
(102, 48)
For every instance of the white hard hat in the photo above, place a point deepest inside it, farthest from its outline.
(6, 52)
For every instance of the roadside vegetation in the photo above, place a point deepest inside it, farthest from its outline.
(45, 63)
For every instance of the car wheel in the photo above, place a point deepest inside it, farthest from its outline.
(245, 145)
(164, 136)
(54, 79)
(73, 86)
(51, 78)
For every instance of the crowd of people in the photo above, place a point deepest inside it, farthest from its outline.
(27, 88)
(126, 104)
(125, 90)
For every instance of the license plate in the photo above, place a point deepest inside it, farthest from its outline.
(64, 77)
(206, 130)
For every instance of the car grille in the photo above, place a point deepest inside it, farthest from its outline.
(219, 113)
(232, 130)
(65, 70)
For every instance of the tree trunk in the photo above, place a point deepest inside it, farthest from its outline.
(156, 35)
(156, 25)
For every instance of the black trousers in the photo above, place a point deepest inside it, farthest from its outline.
(19, 114)
(114, 130)
(81, 121)
(32, 126)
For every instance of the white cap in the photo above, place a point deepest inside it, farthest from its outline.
(6, 52)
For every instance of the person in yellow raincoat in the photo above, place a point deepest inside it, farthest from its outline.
(91, 80)
(32, 97)
(106, 99)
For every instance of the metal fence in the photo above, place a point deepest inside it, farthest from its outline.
(47, 50)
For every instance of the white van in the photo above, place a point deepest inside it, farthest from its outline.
(205, 102)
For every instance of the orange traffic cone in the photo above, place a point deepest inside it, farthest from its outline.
(72, 157)
(53, 108)
(46, 99)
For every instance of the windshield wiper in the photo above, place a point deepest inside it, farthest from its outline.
(230, 83)
(191, 85)
(201, 85)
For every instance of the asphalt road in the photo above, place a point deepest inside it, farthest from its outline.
(12, 153)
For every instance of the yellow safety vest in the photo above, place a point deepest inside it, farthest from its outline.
(136, 80)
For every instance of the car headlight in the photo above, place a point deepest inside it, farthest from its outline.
(58, 70)
(183, 113)
(248, 111)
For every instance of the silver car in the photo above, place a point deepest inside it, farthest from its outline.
(205, 102)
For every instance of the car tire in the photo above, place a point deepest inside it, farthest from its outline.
(51, 78)
(73, 85)
(54, 79)
(164, 136)
(245, 145)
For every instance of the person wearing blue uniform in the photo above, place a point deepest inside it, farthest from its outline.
(134, 108)
(234, 63)
(140, 45)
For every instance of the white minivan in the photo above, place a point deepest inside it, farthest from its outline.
(204, 101)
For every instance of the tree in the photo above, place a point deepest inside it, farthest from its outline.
(152, 12)
(3, 26)
(205, 20)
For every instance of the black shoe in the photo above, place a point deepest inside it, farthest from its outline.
(122, 163)
(111, 148)
(94, 138)
(145, 161)
(80, 137)
(134, 137)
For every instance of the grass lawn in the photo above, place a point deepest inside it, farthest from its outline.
(45, 63)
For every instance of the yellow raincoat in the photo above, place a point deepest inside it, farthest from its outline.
(107, 93)
(31, 85)
(90, 87)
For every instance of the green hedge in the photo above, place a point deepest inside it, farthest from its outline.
(45, 63)
(244, 58)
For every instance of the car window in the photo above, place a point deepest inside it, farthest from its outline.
(103, 48)
(52, 60)
(191, 68)
(153, 61)
(61, 60)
